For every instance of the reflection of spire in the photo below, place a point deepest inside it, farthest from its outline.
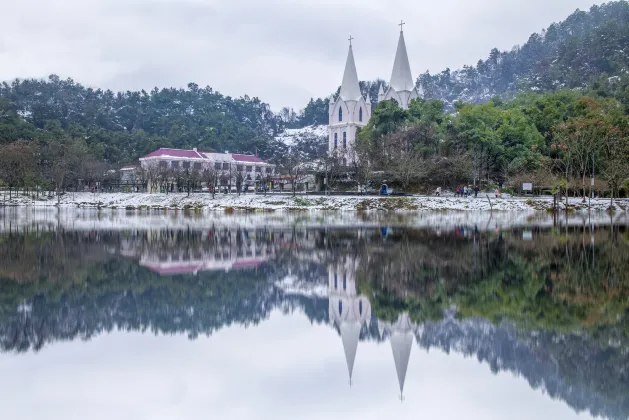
(350, 333)
(401, 335)
(347, 311)
(401, 343)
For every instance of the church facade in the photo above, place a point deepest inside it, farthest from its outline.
(350, 110)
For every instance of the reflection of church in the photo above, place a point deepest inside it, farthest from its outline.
(350, 312)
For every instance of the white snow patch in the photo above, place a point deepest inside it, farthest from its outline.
(290, 136)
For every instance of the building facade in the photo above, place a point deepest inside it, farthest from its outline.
(227, 167)
(351, 110)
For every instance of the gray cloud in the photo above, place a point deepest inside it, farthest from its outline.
(282, 51)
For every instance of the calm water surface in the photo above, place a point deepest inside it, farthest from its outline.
(126, 316)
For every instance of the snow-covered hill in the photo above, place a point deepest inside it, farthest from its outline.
(295, 136)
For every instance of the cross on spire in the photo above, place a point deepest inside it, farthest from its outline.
(350, 40)
(401, 24)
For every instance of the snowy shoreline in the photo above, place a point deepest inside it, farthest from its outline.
(274, 202)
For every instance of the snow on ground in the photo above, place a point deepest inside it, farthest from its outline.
(291, 135)
(276, 201)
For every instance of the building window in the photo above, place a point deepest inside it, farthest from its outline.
(197, 165)
(163, 164)
(225, 165)
(239, 167)
(360, 114)
(217, 165)
(249, 168)
(258, 169)
(340, 308)
(186, 165)
(344, 140)
(336, 140)
(340, 114)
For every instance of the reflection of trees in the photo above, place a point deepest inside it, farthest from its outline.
(565, 299)
(576, 368)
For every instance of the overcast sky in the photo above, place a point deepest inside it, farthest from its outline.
(282, 51)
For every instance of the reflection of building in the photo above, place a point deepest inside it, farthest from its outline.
(349, 312)
(226, 250)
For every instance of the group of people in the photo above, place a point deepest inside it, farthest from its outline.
(465, 191)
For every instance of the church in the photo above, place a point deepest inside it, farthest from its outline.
(350, 110)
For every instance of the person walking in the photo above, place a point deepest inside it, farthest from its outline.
(476, 189)
(464, 191)
(458, 191)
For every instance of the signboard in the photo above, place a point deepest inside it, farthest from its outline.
(527, 186)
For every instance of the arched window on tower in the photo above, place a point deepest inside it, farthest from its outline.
(340, 114)
(336, 281)
(344, 140)
(360, 307)
(360, 114)
(336, 140)
(344, 282)
(340, 308)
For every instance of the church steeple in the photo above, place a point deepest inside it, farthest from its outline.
(350, 90)
(402, 87)
(401, 77)
(347, 113)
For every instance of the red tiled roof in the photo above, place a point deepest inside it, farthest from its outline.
(176, 153)
(247, 158)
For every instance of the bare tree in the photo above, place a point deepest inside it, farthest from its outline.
(18, 164)
(152, 169)
(581, 137)
(615, 151)
(165, 176)
(210, 177)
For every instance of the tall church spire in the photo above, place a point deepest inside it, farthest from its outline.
(401, 77)
(350, 90)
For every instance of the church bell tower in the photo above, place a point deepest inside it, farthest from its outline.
(347, 113)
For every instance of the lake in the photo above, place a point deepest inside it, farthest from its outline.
(157, 315)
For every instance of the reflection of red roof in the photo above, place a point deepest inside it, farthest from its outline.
(177, 269)
(176, 153)
(247, 158)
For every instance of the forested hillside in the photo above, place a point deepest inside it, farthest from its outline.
(120, 127)
(587, 49)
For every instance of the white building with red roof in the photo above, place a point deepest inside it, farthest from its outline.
(227, 165)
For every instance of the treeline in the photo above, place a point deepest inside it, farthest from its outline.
(117, 128)
(556, 141)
